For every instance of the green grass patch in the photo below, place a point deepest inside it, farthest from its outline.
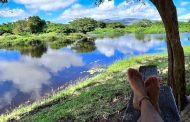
(58, 40)
(156, 27)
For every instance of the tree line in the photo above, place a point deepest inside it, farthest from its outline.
(35, 24)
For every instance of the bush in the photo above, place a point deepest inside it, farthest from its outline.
(52, 38)
(143, 23)
(66, 29)
(83, 25)
(36, 24)
(6, 28)
(101, 24)
(116, 25)
(59, 28)
(76, 36)
(33, 25)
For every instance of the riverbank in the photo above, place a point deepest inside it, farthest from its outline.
(55, 40)
(103, 97)
(141, 27)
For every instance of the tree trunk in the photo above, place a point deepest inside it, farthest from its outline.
(176, 62)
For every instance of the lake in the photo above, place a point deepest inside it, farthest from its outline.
(26, 76)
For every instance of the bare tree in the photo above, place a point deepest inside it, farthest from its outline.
(176, 62)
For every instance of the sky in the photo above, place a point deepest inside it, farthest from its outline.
(63, 11)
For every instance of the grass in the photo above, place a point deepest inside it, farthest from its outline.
(102, 97)
(156, 27)
(53, 39)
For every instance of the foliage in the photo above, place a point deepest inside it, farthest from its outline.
(184, 26)
(31, 25)
(35, 24)
(59, 28)
(63, 40)
(6, 28)
(83, 25)
(115, 25)
(143, 26)
(59, 35)
(20, 27)
(35, 40)
(143, 23)
(107, 32)
(101, 24)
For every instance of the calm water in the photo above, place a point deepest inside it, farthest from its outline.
(29, 75)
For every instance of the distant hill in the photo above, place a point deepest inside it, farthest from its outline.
(124, 21)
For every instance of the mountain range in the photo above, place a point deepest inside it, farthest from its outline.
(124, 21)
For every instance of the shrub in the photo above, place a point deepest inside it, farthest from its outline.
(116, 25)
(83, 25)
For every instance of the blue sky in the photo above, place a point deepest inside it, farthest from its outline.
(63, 11)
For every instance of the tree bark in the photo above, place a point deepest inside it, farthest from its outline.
(176, 61)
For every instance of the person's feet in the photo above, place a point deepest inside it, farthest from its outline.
(152, 86)
(137, 85)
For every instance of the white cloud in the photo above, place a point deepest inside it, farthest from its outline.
(12, 13)
(184, 3)
(46, 5)
(108, 10)
(185, 17)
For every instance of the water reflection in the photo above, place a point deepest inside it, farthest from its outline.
(34, 52)
(108, 35)
(13, 71)
(56, 60)
(6, 98)
(84, 46)
(28, 75)
(141, 36)
(128, 44)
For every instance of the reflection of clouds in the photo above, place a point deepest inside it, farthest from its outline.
(6, 98)
(24, 76)
(28, 75)
(126, 45)
(56, 60)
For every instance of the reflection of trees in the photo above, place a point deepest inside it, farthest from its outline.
(34, 52)
(160, 37)
(142, 37)
(188, 38)
(84, 45)
(60, 44)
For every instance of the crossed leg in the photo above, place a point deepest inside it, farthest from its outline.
(149, 108)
